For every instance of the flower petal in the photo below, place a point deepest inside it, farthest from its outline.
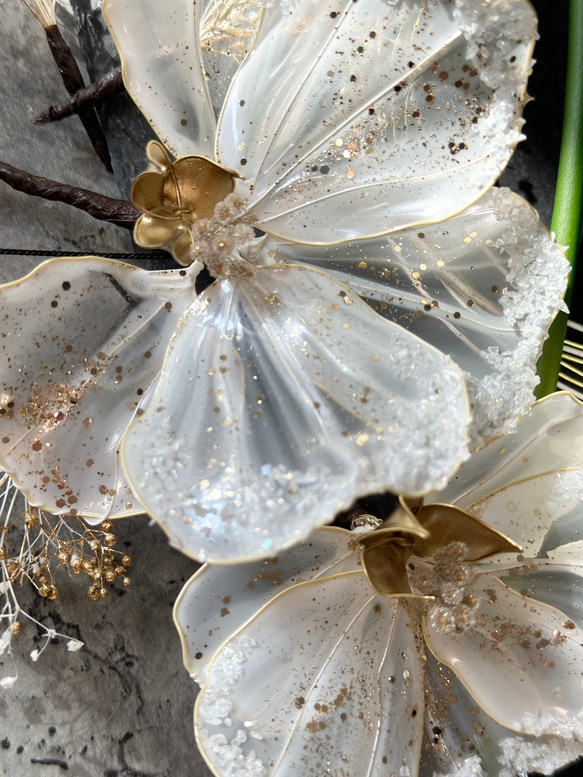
(218, 600)
(148, 195)
(155, 232)
(463, 741)
(557, 584)
(83, 340)
(521, 661)
(160, 52)
(326, 677)
(482, 287)
(282, 399)
(201, 184)
(529, 509)
(549, 438)
(400, 113)
(227, 32)
(455, 728)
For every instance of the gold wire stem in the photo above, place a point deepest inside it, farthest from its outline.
(567, 378)
(572, 369)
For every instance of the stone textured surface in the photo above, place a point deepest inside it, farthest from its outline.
(122, 706)
(59, 151)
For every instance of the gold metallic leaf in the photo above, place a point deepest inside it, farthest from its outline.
(401, 521)
(422, 533)
(153, 232)
(386, 550)
(157, 155)
(446, 523)
(201, 184)
(385, 567)
(148, 195)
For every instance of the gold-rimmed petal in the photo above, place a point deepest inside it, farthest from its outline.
(349, 120)
(482, 286)
(162, 69)
(218, 600)
(282, 692)
(548, 439)
(83, 343)
(520, 661)
(310, 403)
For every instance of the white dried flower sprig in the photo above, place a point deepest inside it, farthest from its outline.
(33, 545)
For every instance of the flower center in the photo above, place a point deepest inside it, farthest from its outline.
(189, 208)
(222, 242)
(422, 554)
(449, 581)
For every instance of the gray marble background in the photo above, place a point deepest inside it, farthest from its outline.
(122, 706)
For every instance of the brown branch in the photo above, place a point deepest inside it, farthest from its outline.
(120, 212)
(88, 97)
(73, 81)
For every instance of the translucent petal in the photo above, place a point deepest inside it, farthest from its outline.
(455, 728)
(529, 509)
(521, 661)
(462, 740)
(401, 113)
(559, 585)
(227, 31)
(548, 439)
(162, 69)
(325, 679)
(83, 340)
(218, 600)
(282, 399)
(482, 287)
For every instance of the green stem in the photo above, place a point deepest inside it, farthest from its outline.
(568, 207)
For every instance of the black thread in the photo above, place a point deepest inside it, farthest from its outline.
(107, 255)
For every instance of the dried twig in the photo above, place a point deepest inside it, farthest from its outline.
(44, 12)
(88, 97)
(73, 81)
(120, 212)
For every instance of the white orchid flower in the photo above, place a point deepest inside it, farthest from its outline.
(431, 646)
(249, 414)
